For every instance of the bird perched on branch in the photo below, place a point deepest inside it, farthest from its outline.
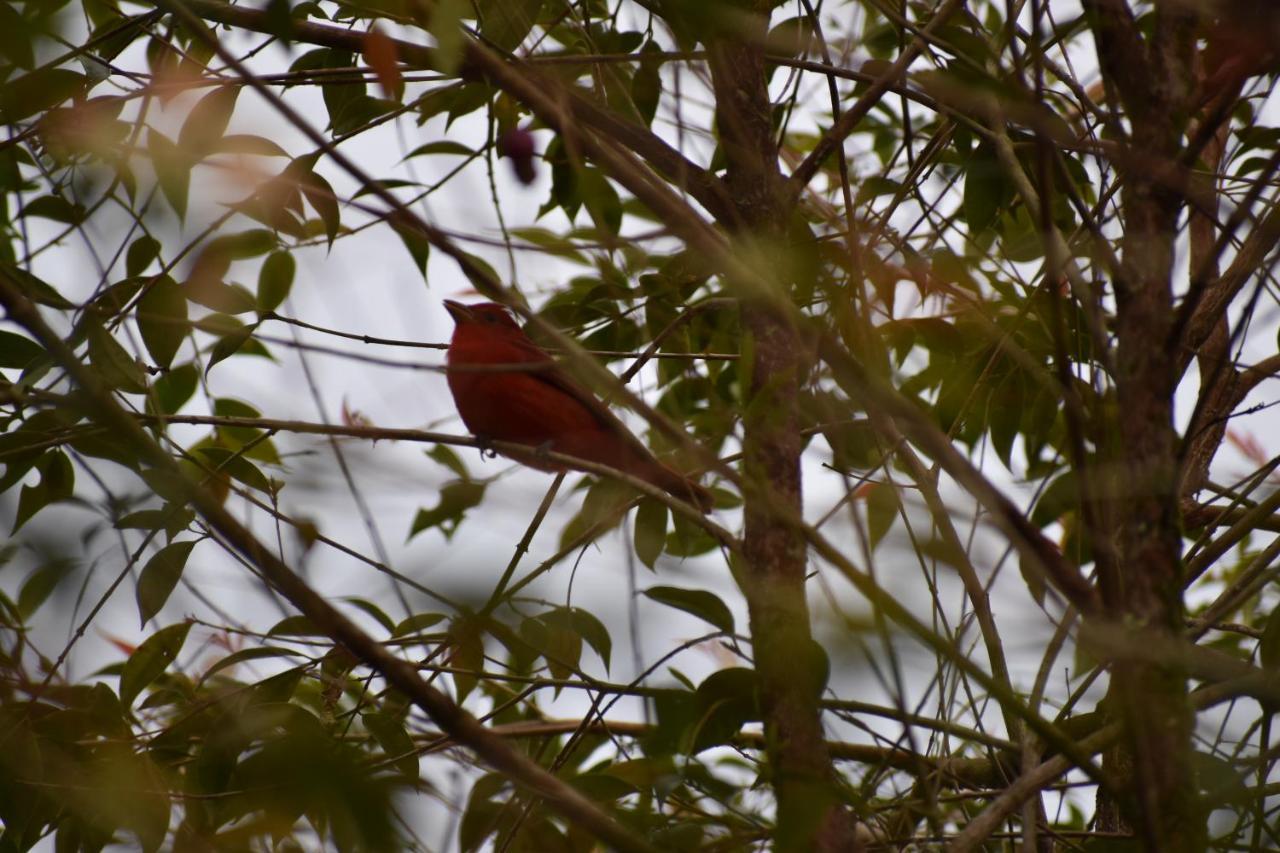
(538, 405)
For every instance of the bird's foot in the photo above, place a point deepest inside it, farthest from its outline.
(486, 452)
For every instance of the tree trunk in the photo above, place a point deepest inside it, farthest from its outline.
(1152, 764)
(791, 666)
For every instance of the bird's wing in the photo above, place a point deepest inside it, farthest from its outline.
(556, 377)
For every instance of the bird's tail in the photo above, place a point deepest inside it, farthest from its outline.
(681, 486)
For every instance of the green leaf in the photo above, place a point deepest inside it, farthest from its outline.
(228, 345)
(173, 170)
(241, 143)
(726, 700)
(1020, 237)
(320, 194)
(40, 584)
(594, 632)
(162, 319)
(112, 300)
(275, 280)
(384, 184)
(114, 365)
(507, 22)
(141, 253)
(278, 689)
(397, 746)
(943, 550)
(603, 787)
(875, 186)
(17, 351)
(443, 146)
(417, 623)
(1219, 779)
(466, 645)
(882, 511)
(34, 288)
(651, 530)
(256, 653)
(236, 436)
(159, 577)
(1004, 415)
(1059, 497)
(56, 208)
(455, 499)
(143, 519)
(235, 465)
(295, 626)
(174, 389)
(169, 519)
(602, 509)
(445, 455)
(552, 244)
(161, 57)
(646, 85)
(791, 37)
(208, 120)
(16, 42)
(553, 635)
(601, 200)
(243, 245)
(418, 245)
(482, 816)
(468, 99)
(698, 602)
(106, 444)
(168, 485)
(687, 538)
(986, 189)
(220, 296)
(373, 610)
(57, 483)
(448, 33)
(38, 91)
(151, 659)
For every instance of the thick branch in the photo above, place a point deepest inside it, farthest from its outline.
(1153, 762)
(789, 662)
(1218, 293)
(1121, 51)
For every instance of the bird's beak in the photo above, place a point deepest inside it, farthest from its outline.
(459, 312)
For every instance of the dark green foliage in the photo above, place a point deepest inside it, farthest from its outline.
(958, 355)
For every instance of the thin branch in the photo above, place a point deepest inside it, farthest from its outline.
(399, 673)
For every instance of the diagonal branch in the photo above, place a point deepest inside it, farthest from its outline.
(479, 63)
(1121, 52)
(619, 163)
(1208, 304)
(398, 673)
(1036, 549)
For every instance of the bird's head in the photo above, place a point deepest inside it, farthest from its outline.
(481, 314)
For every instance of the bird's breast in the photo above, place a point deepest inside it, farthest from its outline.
(515, 405)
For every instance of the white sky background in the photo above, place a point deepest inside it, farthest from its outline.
(368, 285)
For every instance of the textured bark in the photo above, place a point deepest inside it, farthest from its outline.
(1218, 377)
(1152, 764)
(790, 664)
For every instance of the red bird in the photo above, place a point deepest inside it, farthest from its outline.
(543, 407)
